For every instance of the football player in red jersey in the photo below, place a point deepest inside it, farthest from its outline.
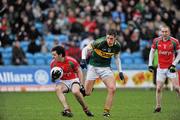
(70, 81)
(167, 61)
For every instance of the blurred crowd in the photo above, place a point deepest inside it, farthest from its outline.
(82, 21)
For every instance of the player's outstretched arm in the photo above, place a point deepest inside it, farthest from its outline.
(119, 66)
(84, 54)
(85, 51)
(172, 68)
(151, 57)
(177, 59)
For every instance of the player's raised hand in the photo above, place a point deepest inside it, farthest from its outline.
(121, 75)
(83, 64)
(151, 69)
(172, 68)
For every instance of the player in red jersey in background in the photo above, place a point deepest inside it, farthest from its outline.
(70, 81)
(167, 61)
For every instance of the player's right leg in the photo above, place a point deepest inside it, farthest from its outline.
(89, 86)
(159, 87)
(60, 90)
(90, 79)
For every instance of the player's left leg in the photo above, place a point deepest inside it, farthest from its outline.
(90, 79)
(107, 76)
(62, 88)
(175, 82)
(111, 87)
(79, 97)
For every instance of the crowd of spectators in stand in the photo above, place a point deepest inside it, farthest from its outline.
(83, 21)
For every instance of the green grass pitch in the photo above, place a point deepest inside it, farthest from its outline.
(129, 104)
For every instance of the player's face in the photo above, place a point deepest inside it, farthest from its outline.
(55, 55)
(110, 40)
(165, 32)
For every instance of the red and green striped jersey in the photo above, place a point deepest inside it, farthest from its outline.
(166, 50)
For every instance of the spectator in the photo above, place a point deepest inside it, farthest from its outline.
(158, 21)
(71, 16)
(4, 24)
(62, 23)
(77, 28)
(134, 42)
(55, 43)
(5, 39)
(122, 42)
(73, 50)
(177, 4)
(33, 47)
(89, 24)
(43, 46)
(178, 34)
(18, 55)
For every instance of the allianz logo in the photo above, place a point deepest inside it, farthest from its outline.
(10, 77)
(40, 76)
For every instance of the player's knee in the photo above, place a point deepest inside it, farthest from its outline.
(88, 93)
(177, 90)
(75, 91)
(112, 89)
(158, 89)
(58, 89)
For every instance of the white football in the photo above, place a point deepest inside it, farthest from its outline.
(58, 70)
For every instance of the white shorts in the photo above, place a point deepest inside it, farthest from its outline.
(68, 83)
(162, 74)
(98, 72)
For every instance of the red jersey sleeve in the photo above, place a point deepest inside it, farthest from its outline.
(177, 45)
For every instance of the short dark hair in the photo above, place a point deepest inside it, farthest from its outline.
(112, 32)
(59, 50)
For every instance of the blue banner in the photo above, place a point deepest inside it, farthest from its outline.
(24, 75)
(33, 75)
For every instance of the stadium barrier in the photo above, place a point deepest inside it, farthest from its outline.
(33, 78)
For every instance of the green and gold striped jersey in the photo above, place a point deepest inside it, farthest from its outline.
(102, 53)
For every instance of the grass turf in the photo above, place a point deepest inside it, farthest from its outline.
(129, 104)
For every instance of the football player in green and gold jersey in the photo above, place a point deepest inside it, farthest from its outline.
(102, 50)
